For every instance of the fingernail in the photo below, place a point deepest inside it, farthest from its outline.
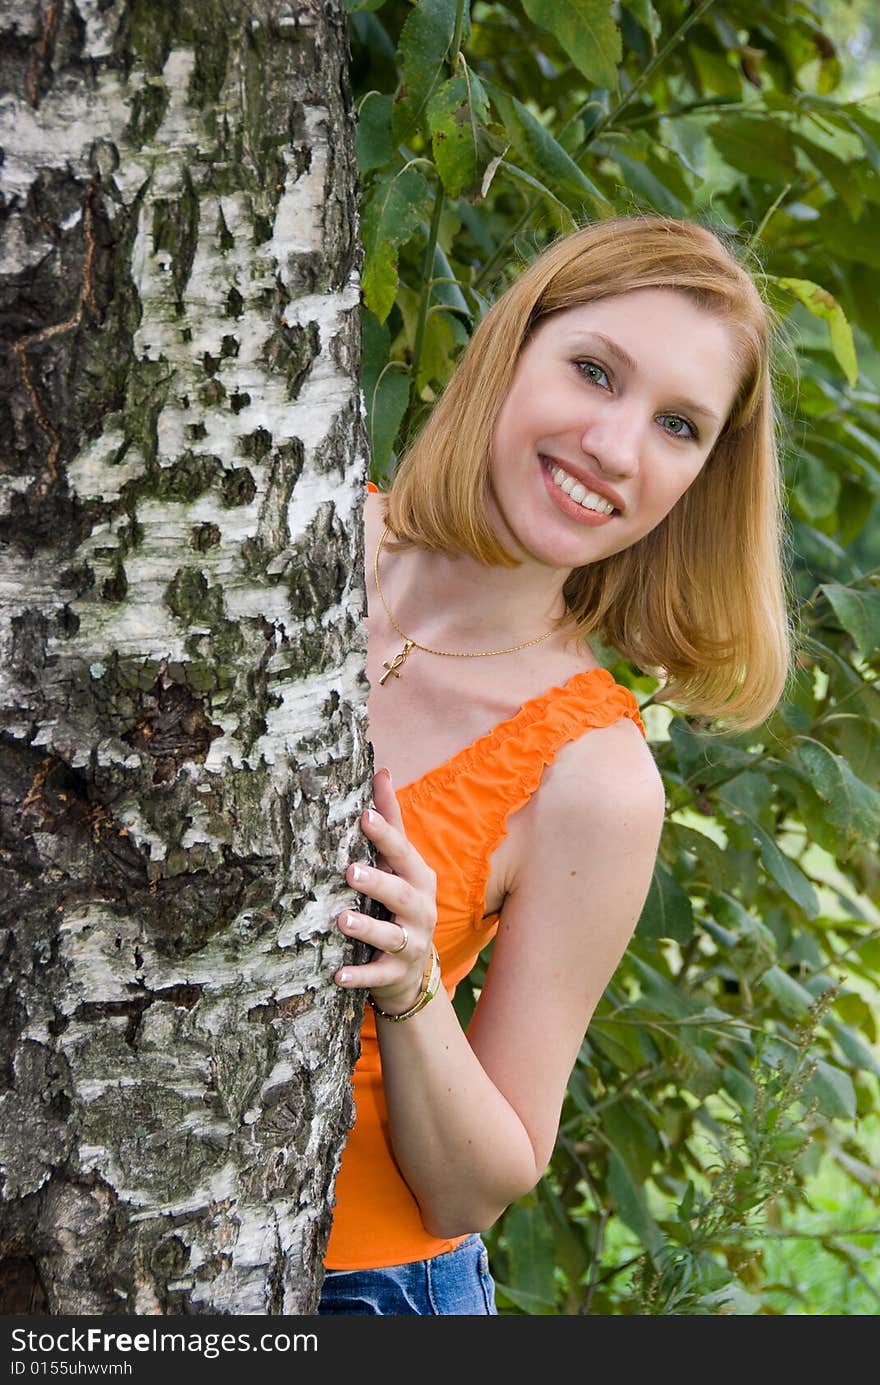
(357, 873)
(386, 772)
(372, 818)
(341, 978)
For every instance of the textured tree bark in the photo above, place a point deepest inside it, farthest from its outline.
(183, 751)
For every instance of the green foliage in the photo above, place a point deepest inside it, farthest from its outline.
(586, 34)
(391, 215)
(750, 1164)
(733, 1061)
(457, 114)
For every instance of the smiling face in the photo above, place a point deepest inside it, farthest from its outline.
(613, 411)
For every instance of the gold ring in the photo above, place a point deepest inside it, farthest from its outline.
(403, 942)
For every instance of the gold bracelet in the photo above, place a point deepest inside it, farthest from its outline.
(430, 987)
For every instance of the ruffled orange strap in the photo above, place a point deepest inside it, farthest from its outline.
(475, 792)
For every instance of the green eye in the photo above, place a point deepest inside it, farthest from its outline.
(677, 426)
(593, 372)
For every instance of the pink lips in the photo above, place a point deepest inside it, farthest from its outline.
(572, 508)
(591, 482)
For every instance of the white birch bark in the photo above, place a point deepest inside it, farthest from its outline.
(183, 750)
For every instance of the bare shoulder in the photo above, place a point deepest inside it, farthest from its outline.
(606, 779)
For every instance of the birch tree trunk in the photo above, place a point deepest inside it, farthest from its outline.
(183, 750)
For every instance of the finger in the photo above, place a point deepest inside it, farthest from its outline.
(382, 972)
(372, 976)
(385, 799)
(395, 851)
(388, 808)
(390, 938)
(398, 895)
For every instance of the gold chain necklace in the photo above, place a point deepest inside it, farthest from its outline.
(409, 643)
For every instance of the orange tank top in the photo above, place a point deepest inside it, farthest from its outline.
(455, 816)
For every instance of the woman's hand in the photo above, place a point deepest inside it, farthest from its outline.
(407, 887)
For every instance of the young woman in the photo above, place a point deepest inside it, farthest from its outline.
(602, 461)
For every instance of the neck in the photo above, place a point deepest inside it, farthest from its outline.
(457, 603)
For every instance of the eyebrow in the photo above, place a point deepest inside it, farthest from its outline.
(615, 349)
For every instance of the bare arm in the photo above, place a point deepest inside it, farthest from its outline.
(474, 1117)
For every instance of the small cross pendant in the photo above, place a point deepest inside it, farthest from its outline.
(396, 663)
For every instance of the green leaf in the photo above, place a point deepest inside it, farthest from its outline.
(789, 994)
(667, 912)
(855, 507)
(456, 112)
(865, 445)
(529, 1304)
(375, 345)
(395, 209)
(811, 809)
(749, 793)
(859, 613)
(854, 1047)
(740, 1087)
(438, 350)
(645, 14)
(544, 156)
(519, 175)
(850, 804)
(833, 1090)
(657, 183)
(854, 1009)
(530, 1247)
(867, 130)
(373, 136)
(586, 32)
(686, 1206)
(622, 1044)
(626, 1126)
(716, 75)
(714, 866)
(816, 487)
(857, 241)
(608, 1043)
(631, 1205)
(824, 305)
(704, 759)
(659, 994)
(424, 44)
(385, 412)
(759, 147)
(868, 954)
(786, 872)
(446, 289)
(837, 172)
(571, 1248)
(753, 948)
(699, 1073)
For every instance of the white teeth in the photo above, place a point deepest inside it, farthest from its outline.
(589, 500)
(592, 501)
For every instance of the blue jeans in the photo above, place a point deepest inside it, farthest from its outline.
(456, 1282)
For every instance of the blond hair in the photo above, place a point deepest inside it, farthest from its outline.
(709, 615)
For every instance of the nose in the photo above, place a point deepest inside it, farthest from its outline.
(615, 440)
